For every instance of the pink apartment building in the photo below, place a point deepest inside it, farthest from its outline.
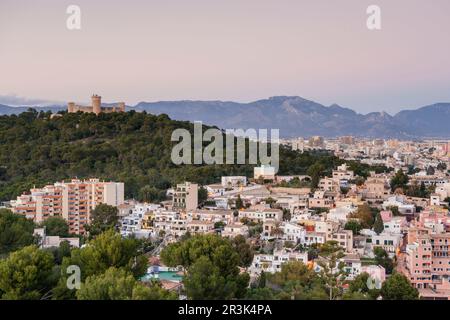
(427, 259)
(427, 263)
(72, 200)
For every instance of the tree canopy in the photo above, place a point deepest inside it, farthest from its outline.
(399, 180)
(119, 284)
(296, 281)
(107, 250)
(15, 231)
(378, 225)
(382, 258)
(103, 217)
(131, 147)
(26, 274)
(353, 225)
(56, 226)
(212, 267)
(398, 287)
(365, 215)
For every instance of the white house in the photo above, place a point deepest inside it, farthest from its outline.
(272, 262)
(234, 181)
(169, 222)
(388, 241)
(400, 202)
(131, 223)
(261, 214)
(293, 232)
(342, 173)
(234, 229)
(377, 273)
(341, 214)
(393, 224)
(352, 265)
(215, 190)
(200, 226)
(315, 238)
(54, 241)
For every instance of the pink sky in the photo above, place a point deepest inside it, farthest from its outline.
(239, 50)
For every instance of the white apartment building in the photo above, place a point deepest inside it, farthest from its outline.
(352, 265)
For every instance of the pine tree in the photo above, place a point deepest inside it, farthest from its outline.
(400, 180)
(239, 202)
(378, 226)
(262, 280)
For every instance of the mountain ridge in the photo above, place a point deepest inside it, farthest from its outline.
(296, 116)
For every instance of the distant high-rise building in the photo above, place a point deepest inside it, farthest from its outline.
(72, 201)
(378, 142)
(347, 140)
(96, 107)
(393, 143)
(316, 142)
(298, 144)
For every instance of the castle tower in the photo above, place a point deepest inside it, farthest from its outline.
(121, 106)
(96, 104)
(71, 107)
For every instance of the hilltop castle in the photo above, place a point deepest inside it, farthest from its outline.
(96, 107)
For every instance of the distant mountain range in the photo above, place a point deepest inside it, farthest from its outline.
(8, 110)
(295, 116)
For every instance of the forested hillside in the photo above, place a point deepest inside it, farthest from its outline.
(131, 147)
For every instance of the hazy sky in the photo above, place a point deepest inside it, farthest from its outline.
(240, 50)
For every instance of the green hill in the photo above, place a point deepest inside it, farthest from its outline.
(131, 147)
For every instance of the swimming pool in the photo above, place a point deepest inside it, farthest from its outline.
(163, 275)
